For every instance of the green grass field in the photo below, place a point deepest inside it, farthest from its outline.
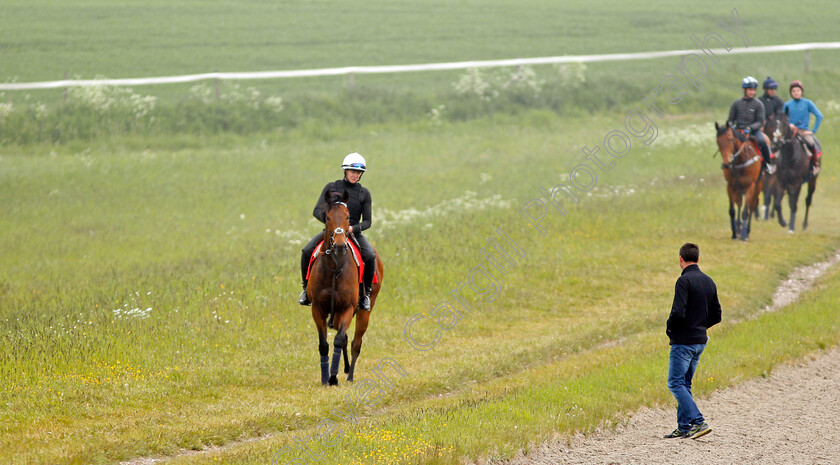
(149, 280)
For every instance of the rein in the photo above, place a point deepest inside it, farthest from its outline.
(731, 165)
(338, 268)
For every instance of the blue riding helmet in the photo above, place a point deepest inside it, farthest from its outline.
(769, 83)
(749, 82)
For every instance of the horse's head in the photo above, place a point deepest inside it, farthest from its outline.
(337, 222)
(727, 143)
(786, 133)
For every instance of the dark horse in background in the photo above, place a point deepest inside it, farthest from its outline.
(794, 169)
(333, 289)
(768, 181)
(742, 171)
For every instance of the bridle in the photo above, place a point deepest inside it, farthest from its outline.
(731, 165)
(333, 249)
(335, 252)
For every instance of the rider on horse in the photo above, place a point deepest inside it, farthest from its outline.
(772, 103)
(799, 111)
(358, 203)
(747, 116)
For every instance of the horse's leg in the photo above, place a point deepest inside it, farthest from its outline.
(751, 204)
(340, 343)
(740, 216)
(362, 319)
(793, 199)
(812, 186)
(323, 345)
(768, 196)
(732, 211)
(346, 363)
(777, 203)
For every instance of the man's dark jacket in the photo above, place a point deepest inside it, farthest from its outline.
(772, 105)
(696, 307)
(747, 113)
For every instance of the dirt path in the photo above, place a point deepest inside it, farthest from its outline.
(791, 417)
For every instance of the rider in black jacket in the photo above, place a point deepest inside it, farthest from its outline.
(747, 114)
(358, 204)
(772, 103)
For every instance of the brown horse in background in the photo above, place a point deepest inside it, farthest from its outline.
(742, 170)
(333, 289)
(794, 170)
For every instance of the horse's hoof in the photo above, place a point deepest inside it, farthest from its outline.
(790, 231)
(333, 381)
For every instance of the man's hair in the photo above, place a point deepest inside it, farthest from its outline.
(690, 252)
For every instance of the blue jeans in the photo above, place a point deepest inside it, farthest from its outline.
(681, 367)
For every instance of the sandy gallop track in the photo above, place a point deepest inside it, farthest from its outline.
(790, 418)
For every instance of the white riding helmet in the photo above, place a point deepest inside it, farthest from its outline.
(354, 161)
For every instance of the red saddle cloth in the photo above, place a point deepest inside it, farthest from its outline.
(357, 257)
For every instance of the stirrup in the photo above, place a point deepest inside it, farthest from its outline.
(364, 300)
(304, 299)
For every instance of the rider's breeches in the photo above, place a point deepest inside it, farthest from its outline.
(306, 253)
(368, 256)
(813, 142)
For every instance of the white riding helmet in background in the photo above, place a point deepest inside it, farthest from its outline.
(354, 161)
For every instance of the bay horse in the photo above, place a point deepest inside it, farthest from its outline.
(333, 289)
(768, 181)
(794, 170)
(742, 171)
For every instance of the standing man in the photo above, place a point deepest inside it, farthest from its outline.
(695, 309)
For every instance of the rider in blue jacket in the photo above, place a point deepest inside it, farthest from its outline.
(799, 111)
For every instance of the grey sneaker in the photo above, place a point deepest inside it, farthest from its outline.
(700, 430)
(676, 434)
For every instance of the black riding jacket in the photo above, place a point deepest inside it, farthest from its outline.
(358, 203)
(747, 113)
(772, 105)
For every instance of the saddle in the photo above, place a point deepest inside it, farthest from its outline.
(357, 257)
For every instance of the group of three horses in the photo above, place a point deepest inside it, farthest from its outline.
(742, 169)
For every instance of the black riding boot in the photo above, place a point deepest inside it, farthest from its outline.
(304, 299)
(365, 287)
(364, 297)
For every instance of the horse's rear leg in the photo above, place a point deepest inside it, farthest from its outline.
(362, 319)
(732, 219)
(812, 186)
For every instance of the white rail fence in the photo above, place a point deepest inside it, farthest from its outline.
(353, 70)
